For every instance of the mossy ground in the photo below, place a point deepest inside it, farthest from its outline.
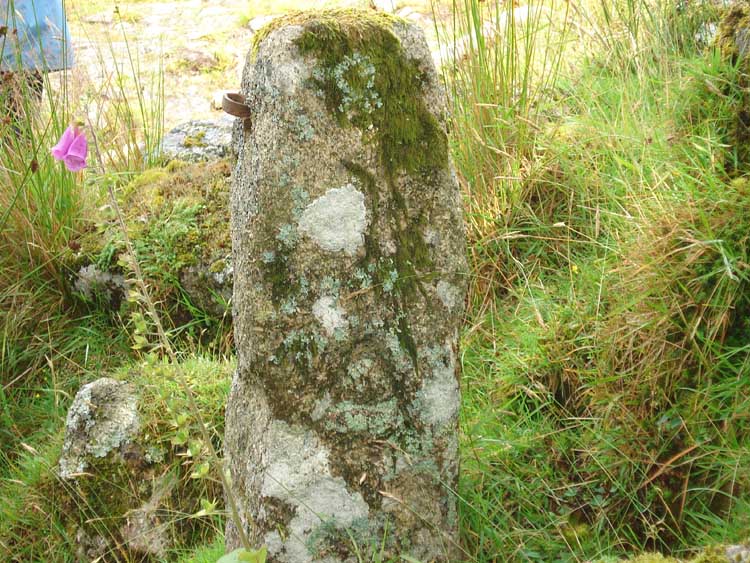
(177, 217)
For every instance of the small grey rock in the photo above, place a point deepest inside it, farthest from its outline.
(102, 418)
(384, 5)
(196, 60)
(100, 286)
(196, 141)
(210, 288)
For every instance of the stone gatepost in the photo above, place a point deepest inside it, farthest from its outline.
(350, 269)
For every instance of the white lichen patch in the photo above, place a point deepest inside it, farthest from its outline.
(299, 474)
(330, 315)
(449, 294)
(337, 220)
(439, 398)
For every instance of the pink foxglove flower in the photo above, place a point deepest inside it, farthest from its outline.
(72, 149)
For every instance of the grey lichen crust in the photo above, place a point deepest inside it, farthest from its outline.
(350, 269)
(102, 418)
(336, 221)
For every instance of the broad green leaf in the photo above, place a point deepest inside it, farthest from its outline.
(242, 554)
(180, 438)
(201, 471)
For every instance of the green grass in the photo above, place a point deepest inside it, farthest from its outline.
(596, 419)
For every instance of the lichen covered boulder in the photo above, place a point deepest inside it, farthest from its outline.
(350, 268)
(199, 140)
(102, 419)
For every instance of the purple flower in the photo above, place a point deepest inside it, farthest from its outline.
(72, 149)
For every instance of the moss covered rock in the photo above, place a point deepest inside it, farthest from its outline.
(178, 220)
(103, 418)
(199, 141)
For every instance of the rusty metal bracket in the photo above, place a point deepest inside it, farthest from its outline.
(235, 104)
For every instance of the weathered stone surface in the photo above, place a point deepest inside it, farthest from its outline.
(102, 418)
(349, 257)
(199, 140)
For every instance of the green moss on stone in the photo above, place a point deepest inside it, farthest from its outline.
(331, 538)
(368, 82)
(197, 140)
(712, 554)
(737, 18)
(218, 266)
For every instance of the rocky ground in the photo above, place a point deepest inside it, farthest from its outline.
(199, 44)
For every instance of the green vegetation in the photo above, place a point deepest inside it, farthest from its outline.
(603, 153)
(605, 368)
(177, 217)
(42, 513)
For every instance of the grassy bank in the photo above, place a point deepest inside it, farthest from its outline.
(605, 359)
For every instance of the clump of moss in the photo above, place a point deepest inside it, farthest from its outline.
(368, 82)
(197, 140)
(178, 219)
(733, 25)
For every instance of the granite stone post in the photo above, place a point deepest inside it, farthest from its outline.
(350, 270)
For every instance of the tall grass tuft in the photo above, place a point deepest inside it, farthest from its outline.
(501, 63)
